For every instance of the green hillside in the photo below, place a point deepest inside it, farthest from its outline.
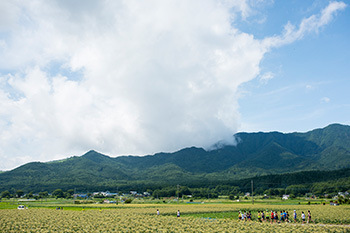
(256, 154)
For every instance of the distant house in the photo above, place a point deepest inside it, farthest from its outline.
(335, 203)
(285, 197)
(21, 207)
(81, 195)
(308, 195)
(109, 194)
(343, 194)
(105, 194)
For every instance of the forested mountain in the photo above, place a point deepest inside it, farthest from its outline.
(255, 154)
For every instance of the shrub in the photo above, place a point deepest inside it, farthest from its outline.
(128, 200)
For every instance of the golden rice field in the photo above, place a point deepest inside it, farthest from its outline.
(194, 218)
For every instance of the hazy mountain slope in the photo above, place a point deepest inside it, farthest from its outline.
(255, 154)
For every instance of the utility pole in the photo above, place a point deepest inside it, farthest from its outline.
(117, 196)
(178, 193)
(252, 193)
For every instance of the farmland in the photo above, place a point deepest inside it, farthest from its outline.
(210, 217)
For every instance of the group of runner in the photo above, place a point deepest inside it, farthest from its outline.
(177, 213)
(274, 216)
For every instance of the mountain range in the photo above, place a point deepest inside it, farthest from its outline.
(256, 154)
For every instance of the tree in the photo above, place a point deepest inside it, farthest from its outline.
(258, 191)
(5, 194)
(43, 194)
(128, 200)
(231, 197)
(235, 190)
(184, 190)
(58, 193)
(297, 190)
(150, 191)
(270, 192)
(67, 195)
(19, 193)
(70, 191)
(29, 195)
(99, 195)
(275, 192)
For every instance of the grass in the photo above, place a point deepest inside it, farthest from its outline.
(53, 203)
(214, 215)
(8, 205)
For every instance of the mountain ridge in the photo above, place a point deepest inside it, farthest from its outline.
(255, 154)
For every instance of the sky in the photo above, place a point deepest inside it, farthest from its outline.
(141, 77)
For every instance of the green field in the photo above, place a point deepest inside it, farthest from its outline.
(213, 216)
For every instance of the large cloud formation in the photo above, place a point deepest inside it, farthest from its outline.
(125, 77)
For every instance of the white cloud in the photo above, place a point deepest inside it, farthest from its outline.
(307, 25)
(325, 100)
(155, 76)
(266, 77)
(310, 87)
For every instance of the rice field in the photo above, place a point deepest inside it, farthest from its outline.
(194, 218)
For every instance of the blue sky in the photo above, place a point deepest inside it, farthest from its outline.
(309, 88)
(130, 77)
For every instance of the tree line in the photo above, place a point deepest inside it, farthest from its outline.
(322, 189)
(295, 184)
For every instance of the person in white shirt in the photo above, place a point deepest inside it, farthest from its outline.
(303, 217)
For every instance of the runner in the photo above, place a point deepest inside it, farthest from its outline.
(295, 216)
(272, 216)
(275, 216)
(262, 216)
(239, 216)
(267, 216)
(284, 216)
(309, 217)
(303, 217)
(281, 216)
(259, 216)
